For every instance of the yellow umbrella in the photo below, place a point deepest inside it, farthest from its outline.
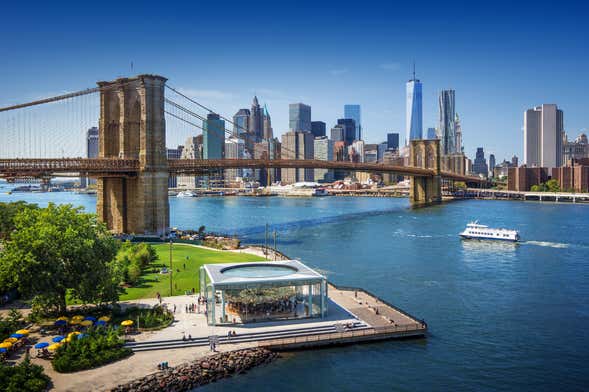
(86, 323)
(78, 317)
(6, 345)
(64, 318)
(72, 334)
(127, 323)
(54, 347)
(11, 340)
(104, 318)
(23, 331)
(75, 321)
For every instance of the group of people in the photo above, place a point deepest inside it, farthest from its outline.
(192, 308)
(266, 308)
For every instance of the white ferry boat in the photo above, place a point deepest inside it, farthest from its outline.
(475, 231)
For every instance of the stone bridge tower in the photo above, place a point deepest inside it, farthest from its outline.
(425, 191)
(132, 126)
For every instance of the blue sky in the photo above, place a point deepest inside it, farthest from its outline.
(501, 58)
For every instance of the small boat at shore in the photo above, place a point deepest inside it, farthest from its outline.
(481, 232)
(186, 194)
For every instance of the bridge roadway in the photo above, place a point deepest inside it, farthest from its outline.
(120, 167)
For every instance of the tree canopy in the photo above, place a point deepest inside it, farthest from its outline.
(57, 250)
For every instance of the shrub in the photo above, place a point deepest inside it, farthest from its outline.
(155, 317)
(8, 325)
(99, 347)
(24, 377)
(131, 259)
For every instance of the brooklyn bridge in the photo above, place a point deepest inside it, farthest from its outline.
(132, 167)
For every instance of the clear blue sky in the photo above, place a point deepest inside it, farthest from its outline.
(500, 57)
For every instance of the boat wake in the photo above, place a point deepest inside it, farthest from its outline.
(547, 244)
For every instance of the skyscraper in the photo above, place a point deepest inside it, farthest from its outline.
(234, 149)
(447, 115)
(241, 121)
(480, 163)
(92, 145)
(299, 117)
(491, 165)
(432, 133)
(297, 145)
(192, 150)
(414, 112)
(543, 129)
(458, 127)
(267, 149)
(392, 141)
(256, 121)
(353, 112)
(268, 131)
(349, 129)
(323, 150)
(318, 128)
(337, 133)
(213, 137)
(174, 153)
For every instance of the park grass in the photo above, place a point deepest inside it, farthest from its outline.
(187, 259)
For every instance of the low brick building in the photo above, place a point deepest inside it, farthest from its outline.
(523, 178)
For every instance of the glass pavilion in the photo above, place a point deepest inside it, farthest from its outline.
(263, 291)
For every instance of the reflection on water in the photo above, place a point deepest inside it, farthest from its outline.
(495, 247)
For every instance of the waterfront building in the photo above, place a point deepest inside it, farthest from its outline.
(340, 154)
(318, 128)
(268, 131)
(543, 128)
(491, 165)
(432, 133)
(523, 178)
(323, 151)
(353, 112)
(371, 153)
(228, 291)
(575, 149)
(92, 145)
(480, 163)
(299, 117)
(414, 112)
(256, 121)
(173, 153)
(447, 116)
(393, 141)
(573, 177)
(234, 149)
(297, 145)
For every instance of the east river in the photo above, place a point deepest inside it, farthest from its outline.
(501, 316)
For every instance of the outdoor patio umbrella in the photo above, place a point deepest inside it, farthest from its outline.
(3, 350)
(57, 339)
(54, 347)
(93, 319)
(86, 323)
(75, 321)
(6, 345)
(16, 335)
(11, 340)
(23, 331)
(101, 323)
(127, 323)
(60, 323)
(41, 345)
(64, 318)
(82, 335)
(72, 334)
(104, 318)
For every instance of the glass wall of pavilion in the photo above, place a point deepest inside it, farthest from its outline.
(243, 302)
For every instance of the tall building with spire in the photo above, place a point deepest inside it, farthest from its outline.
(459, 147)
(268, 132)
(414, 114)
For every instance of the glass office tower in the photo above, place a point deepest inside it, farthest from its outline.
(353, 112)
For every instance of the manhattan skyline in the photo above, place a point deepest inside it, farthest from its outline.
(495, 59)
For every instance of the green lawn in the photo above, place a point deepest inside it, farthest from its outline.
(152, 282)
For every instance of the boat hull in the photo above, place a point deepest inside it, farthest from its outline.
(469, 237)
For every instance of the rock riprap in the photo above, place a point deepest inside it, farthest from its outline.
(203, 371)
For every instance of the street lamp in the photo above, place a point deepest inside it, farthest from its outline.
(171, 271)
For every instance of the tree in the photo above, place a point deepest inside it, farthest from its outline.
(552, 186)
(56, 251)
(7, 213)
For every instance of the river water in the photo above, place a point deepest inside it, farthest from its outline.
(501, 316)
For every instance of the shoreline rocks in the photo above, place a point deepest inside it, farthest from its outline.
(200, 372)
